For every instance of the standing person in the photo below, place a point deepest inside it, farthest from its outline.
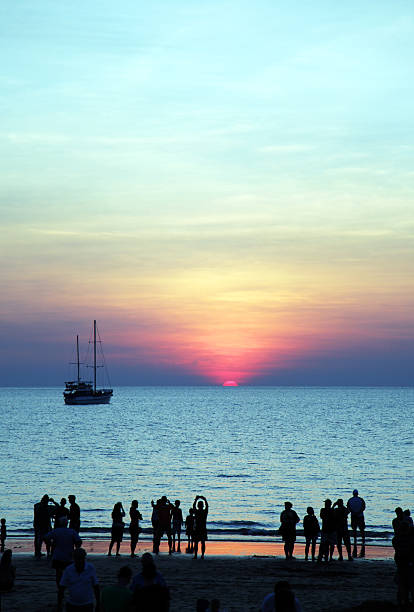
(136, 517)
(288, 520)
(3, 534)
(189, 530)
(63, 541)
(164, 509)
(311, 530)
(154, 522)
(342, 533)
(118, 597)
(60, 512)
(42, 513)
(404, 559)
(177, 523)
(398, 520)
(200, 524)
(356, 506)
(117, 530)
(328, 532)
(81, 581)
(74, 513)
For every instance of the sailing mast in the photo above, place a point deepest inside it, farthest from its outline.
(94, 356)
(77, 357)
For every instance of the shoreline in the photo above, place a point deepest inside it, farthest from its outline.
(218, 548)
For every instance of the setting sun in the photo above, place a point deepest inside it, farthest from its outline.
(230, 383)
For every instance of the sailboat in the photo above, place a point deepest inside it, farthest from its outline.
(78, 392)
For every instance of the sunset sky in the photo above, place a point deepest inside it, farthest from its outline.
(226, 186)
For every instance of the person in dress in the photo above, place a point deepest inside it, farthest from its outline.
(288, 519)
(177, 523)
(118, 597)
(134, 529)
(117, 530)
(356, 506)
(200, 507)
(311, 530)
(82, 585)
(74, 513)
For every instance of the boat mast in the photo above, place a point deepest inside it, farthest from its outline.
(94, 356)
(77, 357)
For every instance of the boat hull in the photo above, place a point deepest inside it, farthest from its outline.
(84, 400)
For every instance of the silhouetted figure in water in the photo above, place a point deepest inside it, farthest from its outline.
(328, 532)
(403, 543)
(7, 571)
(118, 597)
(200, 524)
(398, 520)
(288, 520)
(117, 530)
(356, 506)
(3, 534)
(177, 523)
(281, 600)
(60, 512)
(134, 529)
(74, 514)
(189, 530)
(311, 530)
(164, 509)
(42, 513)
(150, 592)
(63, 541)
(342, 533)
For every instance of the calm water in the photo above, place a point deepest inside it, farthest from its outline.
(246, 449)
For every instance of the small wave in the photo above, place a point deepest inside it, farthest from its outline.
(234, 476)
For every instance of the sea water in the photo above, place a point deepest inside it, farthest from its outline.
(247, 449)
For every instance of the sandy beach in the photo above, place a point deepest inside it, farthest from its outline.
(239, 574)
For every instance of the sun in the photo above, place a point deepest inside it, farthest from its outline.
(230, 383)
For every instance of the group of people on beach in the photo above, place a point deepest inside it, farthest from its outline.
(167, 518)
(333, 532)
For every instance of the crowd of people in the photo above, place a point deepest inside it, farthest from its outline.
(78, 577)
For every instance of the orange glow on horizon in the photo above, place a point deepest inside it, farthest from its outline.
(230, 383)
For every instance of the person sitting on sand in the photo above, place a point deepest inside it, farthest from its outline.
(150, 592)
(134, 529)
(288, 520)
(63, 541)
(328, 532)
(118, 597)
(164, 509)
(189, 530)
(356, 506)
(177, 522)
(7, 571)
(74, 513)
(117, 530)
(200, 524)
(281, 600)
(311, 531)
(342, 534)
(81, 581)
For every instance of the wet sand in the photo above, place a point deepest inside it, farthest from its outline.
(240, 574)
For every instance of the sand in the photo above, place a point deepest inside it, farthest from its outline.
(239, 574)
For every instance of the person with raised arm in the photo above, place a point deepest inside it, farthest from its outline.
(200, 524)
(117, 530)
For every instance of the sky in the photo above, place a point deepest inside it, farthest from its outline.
(226, 186)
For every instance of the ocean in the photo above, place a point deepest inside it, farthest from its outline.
(247, 449)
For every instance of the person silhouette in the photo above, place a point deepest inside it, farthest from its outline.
(189, 530)
(356, 506)
(288, 520)
(136, 517)
(74, 514)
(117, 530)
(164, 509)
(342, 534)
(311, 530)
(177, 522)
(60, 512)
(7, 571)
(200, 524)
(328, 532)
